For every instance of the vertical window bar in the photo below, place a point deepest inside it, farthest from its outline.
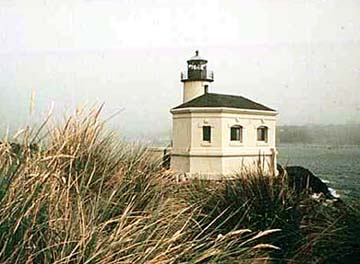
(236, 133)
(262, 134)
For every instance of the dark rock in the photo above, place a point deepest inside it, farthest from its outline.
(301, 179)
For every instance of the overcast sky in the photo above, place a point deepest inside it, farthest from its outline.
(301, 57)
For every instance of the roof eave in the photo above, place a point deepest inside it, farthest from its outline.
(222, 110)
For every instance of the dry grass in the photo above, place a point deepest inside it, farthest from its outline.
(74, 194)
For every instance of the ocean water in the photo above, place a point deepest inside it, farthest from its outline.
(338, 166)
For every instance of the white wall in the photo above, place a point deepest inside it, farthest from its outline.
(193, 89)
(221, 155)
(181, 133)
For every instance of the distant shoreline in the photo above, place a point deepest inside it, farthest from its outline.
(318, 145)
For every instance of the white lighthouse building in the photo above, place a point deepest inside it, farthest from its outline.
(217, 135)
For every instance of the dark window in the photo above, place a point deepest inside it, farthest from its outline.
(207, 133)
(236, 133)
(262, 134)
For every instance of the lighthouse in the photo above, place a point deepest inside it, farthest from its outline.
(218, 135)
(197, 78)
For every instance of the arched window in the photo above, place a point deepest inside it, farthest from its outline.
(236, 133)
(262, 134)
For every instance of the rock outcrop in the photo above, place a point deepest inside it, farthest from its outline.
(301, 179)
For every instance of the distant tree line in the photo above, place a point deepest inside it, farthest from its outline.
(319, 134)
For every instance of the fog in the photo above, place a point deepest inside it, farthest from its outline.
(300, 57)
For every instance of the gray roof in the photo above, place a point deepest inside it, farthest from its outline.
(223, 100)
(197, 58)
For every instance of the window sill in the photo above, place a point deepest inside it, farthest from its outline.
(236, 144)
(262, 143)
(205, 144)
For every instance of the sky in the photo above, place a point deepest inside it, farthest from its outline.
(300, 57)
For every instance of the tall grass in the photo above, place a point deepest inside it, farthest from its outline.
(309, 230)
(74, 193)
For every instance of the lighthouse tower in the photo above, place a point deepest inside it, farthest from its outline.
(216, 135)
(197, 78)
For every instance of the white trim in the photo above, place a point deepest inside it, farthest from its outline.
(200, 151)
(262, 143)
(222, 110)
(201, 124)
(206, 143)
(214, 155)
(236, 144)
